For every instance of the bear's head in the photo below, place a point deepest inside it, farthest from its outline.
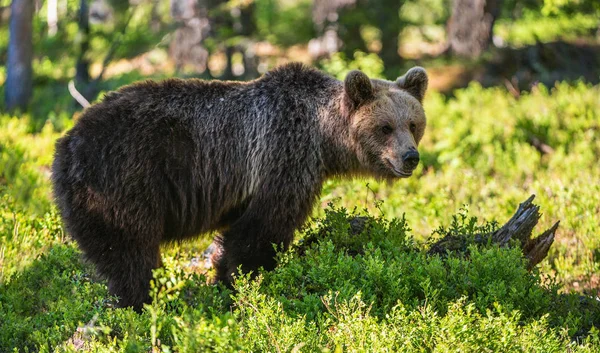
(387, 121)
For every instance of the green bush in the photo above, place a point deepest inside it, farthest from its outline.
(379, 294)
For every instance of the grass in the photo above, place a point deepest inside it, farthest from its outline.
(375, 291)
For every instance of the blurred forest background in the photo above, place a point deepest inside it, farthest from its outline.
(103, 44)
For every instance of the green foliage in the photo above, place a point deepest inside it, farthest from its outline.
(339, 66)
(555, 7)
(425, 12)
(284, 22)
(23, 236)
(535, 28)
(45, 303)
(24, 161)
(390, 296)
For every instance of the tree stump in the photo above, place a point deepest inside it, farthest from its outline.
(518, 229)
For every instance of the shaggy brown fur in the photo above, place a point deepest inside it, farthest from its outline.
(161, 161)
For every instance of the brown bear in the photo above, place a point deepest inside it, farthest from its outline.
(161, 161)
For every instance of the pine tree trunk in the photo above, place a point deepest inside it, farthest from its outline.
(248, 30)
(388, 18)
(470, 26)
(82, 74)
(19, 77)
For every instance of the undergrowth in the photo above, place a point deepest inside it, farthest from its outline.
(382, 293)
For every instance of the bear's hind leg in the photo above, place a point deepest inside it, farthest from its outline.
(129, 273)
(123, 257)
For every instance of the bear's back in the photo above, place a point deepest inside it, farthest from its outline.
(195, 147)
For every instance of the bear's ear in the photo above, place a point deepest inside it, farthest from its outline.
(414, 82)
(358, 88)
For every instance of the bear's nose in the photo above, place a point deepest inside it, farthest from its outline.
(411, 159)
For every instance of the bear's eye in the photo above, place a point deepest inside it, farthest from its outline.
(387, 129)
(413, 127)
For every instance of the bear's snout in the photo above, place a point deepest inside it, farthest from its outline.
(410, 159)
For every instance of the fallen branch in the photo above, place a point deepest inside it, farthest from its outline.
(519, 229)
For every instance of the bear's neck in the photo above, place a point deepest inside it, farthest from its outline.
(338, 150)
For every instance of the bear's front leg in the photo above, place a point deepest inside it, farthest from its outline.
(268, 224)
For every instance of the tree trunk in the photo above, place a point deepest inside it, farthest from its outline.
(388, 16)
(470, 26)
(19, 77)
(228, 72)
(248, 30)
(82, 73)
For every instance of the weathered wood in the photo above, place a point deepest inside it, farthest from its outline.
(520, 226)
(518, 229)
(537, 249)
